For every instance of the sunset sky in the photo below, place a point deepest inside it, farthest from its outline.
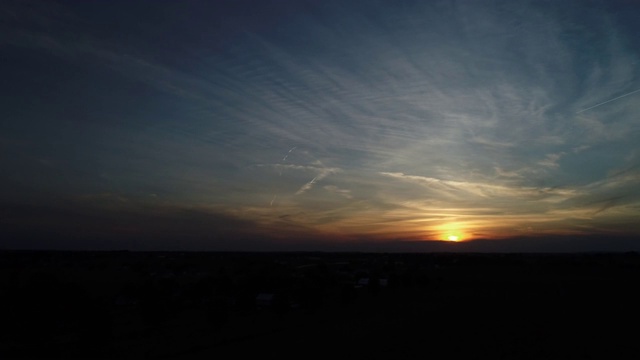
(320, 125)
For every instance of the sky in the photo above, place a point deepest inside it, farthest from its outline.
(352, 125)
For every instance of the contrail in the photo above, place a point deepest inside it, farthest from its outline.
(307, 186)
(285, 157)
(608, 101)
(280, 172)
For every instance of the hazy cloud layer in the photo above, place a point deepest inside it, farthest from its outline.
(351, 120)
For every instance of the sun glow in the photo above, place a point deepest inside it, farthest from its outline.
(452, 232)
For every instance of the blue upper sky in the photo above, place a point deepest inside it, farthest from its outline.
(241, 125)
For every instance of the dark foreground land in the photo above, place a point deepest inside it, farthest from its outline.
(310, 305)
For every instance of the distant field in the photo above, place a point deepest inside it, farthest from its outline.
(202, 305)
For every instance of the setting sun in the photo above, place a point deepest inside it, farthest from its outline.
(452, 232)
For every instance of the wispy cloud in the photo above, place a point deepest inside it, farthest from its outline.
(551, 160)
(379, 120)
(336, 190)
(322, 173)
(450, 189)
